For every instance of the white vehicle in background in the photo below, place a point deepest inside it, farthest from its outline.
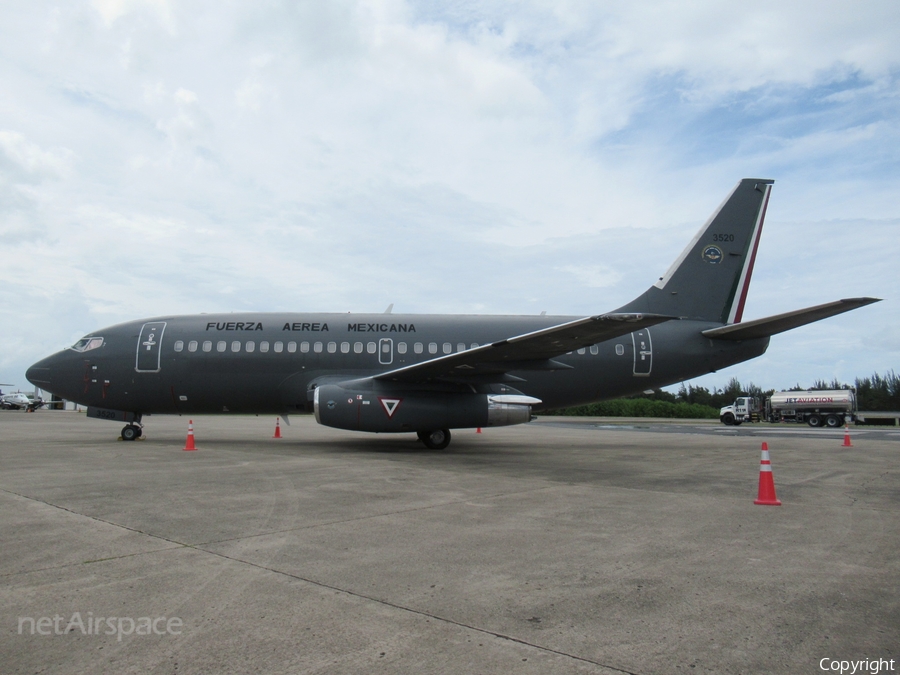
(744, 409)
(831, 408)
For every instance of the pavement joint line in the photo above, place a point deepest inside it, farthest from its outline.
(90, 562)
(320, 584)
(419, 612)
(177, 544)
(864, 486)
(269, 532)
(373, 516)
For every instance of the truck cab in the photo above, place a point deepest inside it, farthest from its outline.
(744, 409)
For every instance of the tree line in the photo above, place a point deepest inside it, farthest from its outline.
(874, 393)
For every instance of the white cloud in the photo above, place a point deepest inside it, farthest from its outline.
(29, 160)
(445, 156)
(111, 10)
(594, 276)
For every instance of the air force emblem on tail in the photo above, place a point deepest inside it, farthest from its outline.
(712, 254)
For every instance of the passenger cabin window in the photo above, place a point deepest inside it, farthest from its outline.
(263, 346)
(474, 345)
(332, 347)
(357, 347)
(236, 346)
(86, 344)
(345, 348)
(304, 347)
(401, 347)
(179, 345)
(192, 346)
(317, 347)
(279, 347)
(220, 346)
(581, 351)
(370, 347)
(461, 347)
(250, 346)
(432, 347)
(448, 348)
(620, 349)
(595, 350)
(207, 345)
(418, 348)
(292, 347)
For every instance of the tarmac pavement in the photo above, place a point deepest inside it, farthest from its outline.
(555, 547)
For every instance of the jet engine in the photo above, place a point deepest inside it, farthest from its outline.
(389, 411)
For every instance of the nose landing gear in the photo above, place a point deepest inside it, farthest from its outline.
(131, 432)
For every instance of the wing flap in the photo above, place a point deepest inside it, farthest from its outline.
(779, 323)
(530, 351)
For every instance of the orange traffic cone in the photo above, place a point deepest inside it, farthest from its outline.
(189, 444)
(277, 429)
(847, 443)
(766, 495)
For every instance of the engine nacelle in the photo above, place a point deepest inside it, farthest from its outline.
(379, 411)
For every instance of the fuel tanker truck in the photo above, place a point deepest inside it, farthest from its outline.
(831, 408)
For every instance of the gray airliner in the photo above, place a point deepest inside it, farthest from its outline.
(426, 373)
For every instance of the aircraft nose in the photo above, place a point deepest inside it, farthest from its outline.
(39, 373)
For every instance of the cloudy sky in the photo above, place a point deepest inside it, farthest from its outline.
(159, 156)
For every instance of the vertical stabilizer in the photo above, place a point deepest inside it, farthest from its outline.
(710, 279)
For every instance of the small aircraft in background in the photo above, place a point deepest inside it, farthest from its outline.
(19, 401)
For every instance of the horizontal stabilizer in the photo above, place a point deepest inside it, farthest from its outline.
(779, 323)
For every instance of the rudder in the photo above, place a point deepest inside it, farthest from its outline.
(710, 279)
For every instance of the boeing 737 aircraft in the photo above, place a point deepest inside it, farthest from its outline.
(427, 373)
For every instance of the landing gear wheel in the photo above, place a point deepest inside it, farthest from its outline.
(814, 421)
(131, 432)
(832, 421)
(435, 440)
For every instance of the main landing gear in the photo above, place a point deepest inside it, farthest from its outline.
(435, 440)
(131, 432)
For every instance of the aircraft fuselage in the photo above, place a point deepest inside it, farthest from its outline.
(269, 363)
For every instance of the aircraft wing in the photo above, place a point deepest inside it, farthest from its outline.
(531, 351)
(779, 323)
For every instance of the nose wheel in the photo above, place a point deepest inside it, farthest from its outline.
(131, 432)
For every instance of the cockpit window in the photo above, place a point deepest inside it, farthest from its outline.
(86, 344)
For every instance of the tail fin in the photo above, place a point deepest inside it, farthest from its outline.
(710, 279)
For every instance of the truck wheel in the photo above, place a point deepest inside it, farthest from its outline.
(727, 419)
(832, 421)
(814, 421)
